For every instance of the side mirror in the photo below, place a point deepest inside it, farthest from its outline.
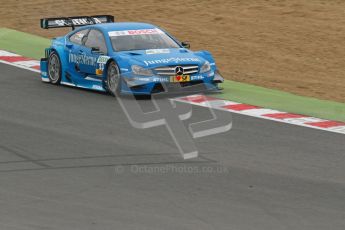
(96, 50)
(185, 45)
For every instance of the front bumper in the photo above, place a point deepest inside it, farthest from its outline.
(145, 85)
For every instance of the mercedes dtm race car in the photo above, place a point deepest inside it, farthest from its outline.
(125, 58)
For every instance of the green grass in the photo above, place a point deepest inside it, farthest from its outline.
(22, 43)
(33, 46)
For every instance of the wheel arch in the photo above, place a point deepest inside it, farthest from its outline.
(105, 71)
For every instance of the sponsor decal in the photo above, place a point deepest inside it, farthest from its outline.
(76, 21)
(180, 78)
(197, 77)
(160, 79)
(97, 87)
(103, 59)
(79, 35)
(151, 79)
(158, 51)
(99, 71)
(171, 60)
(134, 32)
(142, 79)
(82, 59)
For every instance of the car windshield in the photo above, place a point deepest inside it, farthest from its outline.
(144, 39)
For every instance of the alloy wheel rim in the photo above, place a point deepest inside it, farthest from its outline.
(113, 78)
(54, 68)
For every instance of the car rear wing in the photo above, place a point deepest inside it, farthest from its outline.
(75, 21)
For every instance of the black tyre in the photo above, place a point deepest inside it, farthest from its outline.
(113, 81)
(54, 68)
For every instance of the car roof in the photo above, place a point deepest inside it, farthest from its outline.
(118, 26)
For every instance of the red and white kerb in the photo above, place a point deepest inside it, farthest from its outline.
(269, 114)
(19, 61)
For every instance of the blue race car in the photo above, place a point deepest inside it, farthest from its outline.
(124, 58)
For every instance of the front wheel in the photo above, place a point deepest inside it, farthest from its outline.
(54, 68)
(113, 81)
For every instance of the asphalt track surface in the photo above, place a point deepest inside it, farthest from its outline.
(70, 160)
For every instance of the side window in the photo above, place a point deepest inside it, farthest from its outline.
(78, 36)
(96, 39)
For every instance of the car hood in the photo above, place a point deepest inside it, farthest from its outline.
(162, 57)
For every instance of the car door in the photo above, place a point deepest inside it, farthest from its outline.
(95, 47)
(74, 46)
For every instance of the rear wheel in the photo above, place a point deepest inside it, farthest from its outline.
(54, 68)
(113, 81)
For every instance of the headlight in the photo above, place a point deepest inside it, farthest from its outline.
(138, 70)
(205, 68)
